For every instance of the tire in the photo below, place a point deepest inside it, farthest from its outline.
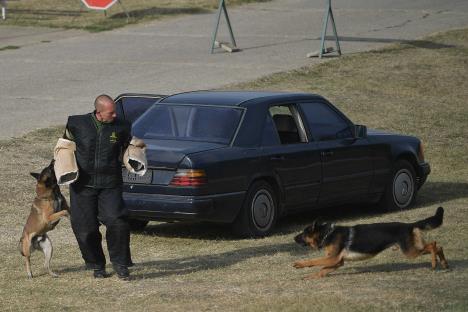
(401, 190)
(137, 225)
(258, 214)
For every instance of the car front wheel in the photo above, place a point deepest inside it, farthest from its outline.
(258, 214)
(401, 189)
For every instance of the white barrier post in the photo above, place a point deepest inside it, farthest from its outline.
(3, 3)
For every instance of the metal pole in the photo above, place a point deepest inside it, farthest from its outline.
(215, 30)
(324, 28)
(222, 8)
(328, 16)
(334, 31)
(123, 8)
(233, 41)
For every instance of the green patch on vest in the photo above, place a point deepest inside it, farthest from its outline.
(113, 137)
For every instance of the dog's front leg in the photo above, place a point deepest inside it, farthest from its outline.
(328, 261)
(324, 271)
(56, 216)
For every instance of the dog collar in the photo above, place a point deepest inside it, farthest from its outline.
(44, 198)
(332, 228)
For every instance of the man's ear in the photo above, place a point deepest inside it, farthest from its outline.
(35, 175)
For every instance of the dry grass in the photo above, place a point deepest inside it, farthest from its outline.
(418, 88)
(74, 14)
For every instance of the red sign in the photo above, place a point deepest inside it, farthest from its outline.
(99, 4)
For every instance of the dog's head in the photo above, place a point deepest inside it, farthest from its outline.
(46, 180)
(311, 235)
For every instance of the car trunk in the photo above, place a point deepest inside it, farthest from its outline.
(164, 157)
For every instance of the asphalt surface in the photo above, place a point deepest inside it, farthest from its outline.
(56, 73)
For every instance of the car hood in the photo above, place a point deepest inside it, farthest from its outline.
(374, 132)
(169, 153)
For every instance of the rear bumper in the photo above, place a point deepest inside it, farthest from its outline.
(424, 171)
(216, 208)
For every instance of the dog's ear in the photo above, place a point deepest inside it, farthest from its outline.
(35, 175)
(313, 225)
(52, 162)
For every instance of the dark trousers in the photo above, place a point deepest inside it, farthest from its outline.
(90, 207)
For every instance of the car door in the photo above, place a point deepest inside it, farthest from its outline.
(347, 168)
(130, 106)
(294, 160)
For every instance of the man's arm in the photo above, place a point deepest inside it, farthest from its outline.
(67, 134)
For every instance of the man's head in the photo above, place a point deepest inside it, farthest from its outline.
(105, 108)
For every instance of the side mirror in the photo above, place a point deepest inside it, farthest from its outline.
(360, 131)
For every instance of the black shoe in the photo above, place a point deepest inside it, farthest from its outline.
(100, 273)
(122, 272)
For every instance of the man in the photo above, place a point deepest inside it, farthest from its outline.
(96, 197)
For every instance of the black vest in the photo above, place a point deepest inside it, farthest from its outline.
(98, 153)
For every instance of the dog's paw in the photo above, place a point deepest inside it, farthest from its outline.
(311, 277)
(300, 264)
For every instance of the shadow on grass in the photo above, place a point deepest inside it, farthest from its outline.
(187, 265)
(439, 192)
(406, 266)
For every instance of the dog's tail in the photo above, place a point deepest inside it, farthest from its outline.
(432, 222)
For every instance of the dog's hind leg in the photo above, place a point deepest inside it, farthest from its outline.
(432, 249)
(26, 249)
(436, 252)
(417, 246)
(443, 261)
(46, 247)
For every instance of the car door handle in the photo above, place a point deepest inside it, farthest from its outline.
(277, 158)
(327, 153)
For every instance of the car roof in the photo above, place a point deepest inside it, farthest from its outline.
(230, 98)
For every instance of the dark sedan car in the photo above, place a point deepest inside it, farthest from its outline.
(248, 158)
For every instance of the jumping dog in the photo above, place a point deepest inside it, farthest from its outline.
(47, 209)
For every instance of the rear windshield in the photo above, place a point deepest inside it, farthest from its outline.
(188, 122)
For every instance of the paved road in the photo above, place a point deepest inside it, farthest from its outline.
(57, 73)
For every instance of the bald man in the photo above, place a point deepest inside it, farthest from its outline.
(96, 197)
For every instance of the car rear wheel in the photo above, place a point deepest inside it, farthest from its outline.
(137, 225)
(258, 214)
(401, 189)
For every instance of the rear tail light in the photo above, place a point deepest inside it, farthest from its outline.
(189, 177)
(421, 152)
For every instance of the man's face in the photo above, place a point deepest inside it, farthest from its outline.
(107, 112)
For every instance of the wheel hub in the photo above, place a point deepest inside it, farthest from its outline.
(262, 209)
(403, 188)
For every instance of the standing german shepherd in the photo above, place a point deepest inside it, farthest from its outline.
(47, 209)
(365, 241)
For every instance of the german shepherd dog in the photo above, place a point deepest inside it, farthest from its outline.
(47, 209)
(364, 241)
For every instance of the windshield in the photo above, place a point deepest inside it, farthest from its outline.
(188, 122)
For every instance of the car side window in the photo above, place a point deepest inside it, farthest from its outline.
(324, 123)
(130, 108)
(288, 124)
(270, 135)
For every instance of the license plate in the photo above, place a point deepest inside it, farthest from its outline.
(129, 177)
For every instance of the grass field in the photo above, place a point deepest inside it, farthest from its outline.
(74, 14)
(418, 88)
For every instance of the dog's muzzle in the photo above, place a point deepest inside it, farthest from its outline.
(300, 240)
